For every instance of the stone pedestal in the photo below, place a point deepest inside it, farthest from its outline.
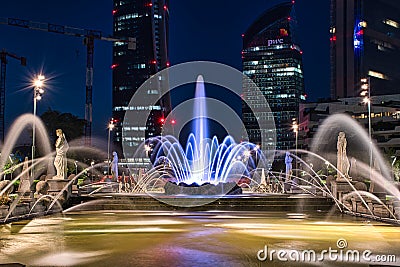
(339, 188)
(3, 211)
(27, 197)
(55, 187)
(378, 190)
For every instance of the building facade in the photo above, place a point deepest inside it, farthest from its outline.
(365, 42)
(273, 61)
(147, 21)
(385, 121)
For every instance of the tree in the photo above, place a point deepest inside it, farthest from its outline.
(72, 126)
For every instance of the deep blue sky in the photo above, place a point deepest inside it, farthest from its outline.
(199, 30)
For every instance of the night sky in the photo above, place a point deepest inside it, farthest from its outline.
(199, 30)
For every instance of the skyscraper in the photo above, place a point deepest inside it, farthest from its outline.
(147, 21)
(365, 41)
(273, 60)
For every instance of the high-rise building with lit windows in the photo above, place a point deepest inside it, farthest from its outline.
(273, 60)
(365, 41)
(147, 21)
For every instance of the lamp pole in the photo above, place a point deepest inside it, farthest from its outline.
(366, 92)
(110, 128)
(173, 122)
(296, 131)
(37, 95)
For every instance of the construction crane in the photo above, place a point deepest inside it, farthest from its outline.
(89, 37)
(3, 58)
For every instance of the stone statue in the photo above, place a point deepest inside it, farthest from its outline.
(343, 164)
(42, 188)
(114, 166)
(60, 161)
(4, 198)
(288, 163)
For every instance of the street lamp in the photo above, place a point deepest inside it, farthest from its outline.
(327, 167)
(110, 128)
(37, 95)
(366, 93)
(147, 148)
(256, 148)
(295, 128)
(173, 122)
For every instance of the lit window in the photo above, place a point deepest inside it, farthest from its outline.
(332, 30)
(377, 75)
(362, 24)
(247, 72)
(391, 23)
(152, 92)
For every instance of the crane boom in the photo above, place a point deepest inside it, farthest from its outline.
(89, 37)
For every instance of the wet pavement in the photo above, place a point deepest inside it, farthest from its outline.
(208, 238)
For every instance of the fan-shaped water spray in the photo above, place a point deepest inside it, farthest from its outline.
(206, 159)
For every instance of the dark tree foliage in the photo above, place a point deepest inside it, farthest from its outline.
(72, 126)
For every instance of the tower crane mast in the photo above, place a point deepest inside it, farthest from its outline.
(3, 59)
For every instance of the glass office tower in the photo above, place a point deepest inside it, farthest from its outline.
(147, 21)
(273, 60)
(365, 42)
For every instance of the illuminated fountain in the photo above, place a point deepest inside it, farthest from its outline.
(87, 233)
(205, 160)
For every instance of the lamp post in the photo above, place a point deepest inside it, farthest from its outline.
(256, 148)
(147, 149)
(92, 165)
(110, 128)
(173, 122)
(366, 93)
(37, 95)
(327, 167)
(295, 128)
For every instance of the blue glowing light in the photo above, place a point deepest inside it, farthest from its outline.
(358, 36)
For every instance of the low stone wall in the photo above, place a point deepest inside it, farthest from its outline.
(388, 210)
(26, 210)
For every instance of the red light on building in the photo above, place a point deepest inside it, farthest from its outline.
(289, 18)
(165, 7)
(162, 120)
(301, 52)
(114, 11)
(168, 64)
(293, 2)
(153, 61)
(242, 34)
(360, 32)
(283, 32)
(113, 66)
(333, 38)
(173, 121)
